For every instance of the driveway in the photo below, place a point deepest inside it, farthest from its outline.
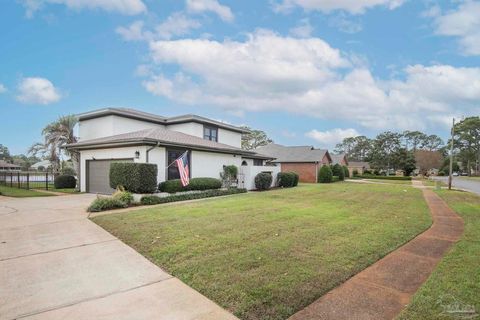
(472, 185)
(57, 264)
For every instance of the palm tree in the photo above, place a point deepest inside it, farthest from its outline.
(56, 135)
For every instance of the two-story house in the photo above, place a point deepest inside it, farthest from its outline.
(118, 134)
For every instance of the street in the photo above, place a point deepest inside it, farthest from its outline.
(472, 185)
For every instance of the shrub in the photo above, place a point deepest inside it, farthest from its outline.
(229, 175)
(102, 204)
(325, 174)
(355, 172)
(366, 171)
(441, 173)
(68, 171)
(150, 200)
(123, 196)
(286, 179)
(346, 172)
(337, 170)
(172, 186)
(296, 179)
(65, 182)
(263, 181)
(134, 177)
(335, 178)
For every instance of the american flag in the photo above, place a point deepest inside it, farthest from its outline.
(182, 165)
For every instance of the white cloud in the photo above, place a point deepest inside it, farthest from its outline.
(345, 24)
(464, 23)
(327, 6)
(199, 6)
(2, 88)
(330, 138)
(127, 7)
(37, 91)
(177, 24)
(303, 30)
(268, 72)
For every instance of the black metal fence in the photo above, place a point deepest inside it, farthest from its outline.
(27, 180)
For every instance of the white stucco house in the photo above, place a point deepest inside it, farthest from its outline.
(119, 134)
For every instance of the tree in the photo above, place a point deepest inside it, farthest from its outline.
(414, 139)
(56, 135)
(467, 141)
(356, 148)
(385, 150)
(427, 160)
(432, 143)
(254, 139)
(406, 161)
(4, 153)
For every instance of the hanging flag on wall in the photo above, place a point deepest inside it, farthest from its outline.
(182, 165)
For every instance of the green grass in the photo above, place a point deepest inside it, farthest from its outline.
(457, 277)
(266, 255)
(404, 182)
(21, 193)
(51, 187)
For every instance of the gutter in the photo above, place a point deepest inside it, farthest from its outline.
(150, 149)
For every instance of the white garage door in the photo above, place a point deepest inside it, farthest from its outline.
(98, 175)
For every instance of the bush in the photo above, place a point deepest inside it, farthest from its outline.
(441, 173)
(296, 179)
(337, 170)
(335, 178)
(263, 181)
(123, 196)
(367, 176)
(151, 200)
(134, 177)
(346, 172)
(367, 171)
(102, 204)
(172, 186)
(325, 174)
(287, 179)
(65, 182)
(355, 172)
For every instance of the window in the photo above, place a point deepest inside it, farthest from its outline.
(210, 133)
(172, 170)
(244, 163)
(258, 162)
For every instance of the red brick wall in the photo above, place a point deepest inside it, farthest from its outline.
(306, 171)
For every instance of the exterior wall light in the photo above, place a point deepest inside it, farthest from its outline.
(137, 154)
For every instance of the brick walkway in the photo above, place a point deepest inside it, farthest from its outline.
(382, 290)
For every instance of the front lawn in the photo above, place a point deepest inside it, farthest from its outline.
(404, 182)
(22, 193)
(457, 278)
(266, 255)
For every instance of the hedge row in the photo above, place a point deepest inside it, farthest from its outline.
(367, 176)
(287, 179)
(103, 204)
(134, 177)
(150, 200)
(172, 186)
(65, 182)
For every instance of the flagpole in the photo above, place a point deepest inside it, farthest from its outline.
(175, 160)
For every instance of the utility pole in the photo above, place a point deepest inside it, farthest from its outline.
(451, 157)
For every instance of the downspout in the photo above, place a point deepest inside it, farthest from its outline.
(150, 149)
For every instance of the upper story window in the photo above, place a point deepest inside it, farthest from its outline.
(210, 133)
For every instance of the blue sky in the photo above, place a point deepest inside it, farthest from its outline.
(305, 71)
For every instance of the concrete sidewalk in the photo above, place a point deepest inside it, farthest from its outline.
(382, 290)
(57, 264)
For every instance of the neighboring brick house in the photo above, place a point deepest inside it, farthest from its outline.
(304, 160)
(360, 166)
(341, 159)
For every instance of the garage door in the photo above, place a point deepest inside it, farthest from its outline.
(98, 175)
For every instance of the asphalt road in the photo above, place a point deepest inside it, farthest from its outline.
(472, 185)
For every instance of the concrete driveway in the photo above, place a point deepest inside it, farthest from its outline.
(57, 264)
